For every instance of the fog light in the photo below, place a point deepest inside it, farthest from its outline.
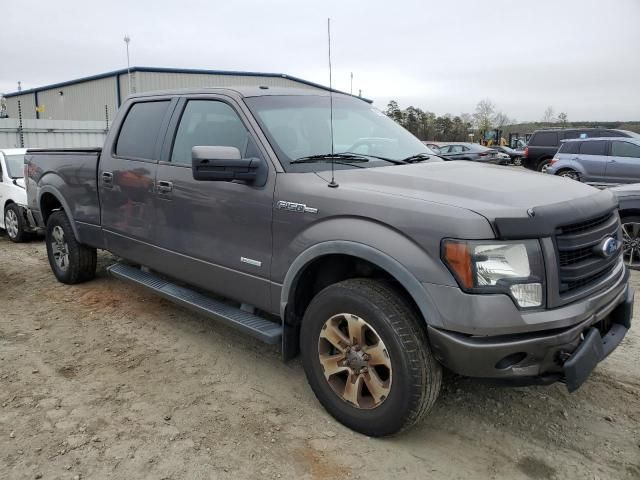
(527, 294)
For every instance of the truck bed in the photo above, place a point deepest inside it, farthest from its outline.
(67, 177)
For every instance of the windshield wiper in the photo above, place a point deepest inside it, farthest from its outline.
(355, 158)
(352, 157)
(418, 157)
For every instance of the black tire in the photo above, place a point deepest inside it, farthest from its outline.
(542, 164)
(416, 377)
(569, 173)
(81, 260)
(631, 243)
(18, 233)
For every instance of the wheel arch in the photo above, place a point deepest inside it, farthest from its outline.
(339, 251)
(50, 200)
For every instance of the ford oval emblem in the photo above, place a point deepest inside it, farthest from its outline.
(608, 247)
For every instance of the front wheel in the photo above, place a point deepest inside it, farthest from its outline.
(631, 241)
(367, 358)
(71, 261)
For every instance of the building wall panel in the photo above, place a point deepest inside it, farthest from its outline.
(80, 101)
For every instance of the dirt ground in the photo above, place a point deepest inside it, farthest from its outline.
(105, 380)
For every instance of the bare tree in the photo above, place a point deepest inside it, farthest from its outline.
(484, 115)
(501, 119)
(563, 119)
(548, 116)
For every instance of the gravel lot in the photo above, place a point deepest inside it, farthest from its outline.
(105, 380)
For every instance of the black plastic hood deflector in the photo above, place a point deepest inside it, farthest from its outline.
(546, 219)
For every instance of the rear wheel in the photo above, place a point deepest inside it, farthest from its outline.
(367, 358)
(631, 241)
(568, 173)
(15, 223)
(71, 261)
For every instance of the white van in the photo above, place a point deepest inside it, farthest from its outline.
(13, 196)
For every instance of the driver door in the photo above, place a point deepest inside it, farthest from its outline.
(216, 234)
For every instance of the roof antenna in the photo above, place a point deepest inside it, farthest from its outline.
(332, 183)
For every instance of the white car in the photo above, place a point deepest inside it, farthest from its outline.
(13, 196)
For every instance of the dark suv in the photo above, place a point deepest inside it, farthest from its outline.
(544, 143)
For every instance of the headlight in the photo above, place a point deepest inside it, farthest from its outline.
(514, 268)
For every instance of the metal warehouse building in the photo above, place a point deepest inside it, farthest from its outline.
(99, 96)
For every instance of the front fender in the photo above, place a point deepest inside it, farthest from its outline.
(378, 244)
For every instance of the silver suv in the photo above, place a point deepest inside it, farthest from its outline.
(598, 161)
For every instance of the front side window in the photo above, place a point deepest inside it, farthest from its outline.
(140, 130)
(625, 149)
(208, 122)
(593, 148)
(299, 126)
(15, 165)
(545, 139)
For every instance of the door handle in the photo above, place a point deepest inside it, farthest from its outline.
(107, 177)
(164, 186)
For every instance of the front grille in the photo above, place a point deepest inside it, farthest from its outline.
(579, 263)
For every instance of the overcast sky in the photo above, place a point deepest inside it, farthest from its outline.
(580, 56)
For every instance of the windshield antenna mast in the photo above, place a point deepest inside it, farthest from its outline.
(333, 183)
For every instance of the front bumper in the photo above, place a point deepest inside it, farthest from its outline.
(568, 354)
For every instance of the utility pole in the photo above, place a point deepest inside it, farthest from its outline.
(127, 39)
(351, 89)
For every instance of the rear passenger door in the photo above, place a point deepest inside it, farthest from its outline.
(126, 176)
(624, 162)
(215, 235)
(593, 158)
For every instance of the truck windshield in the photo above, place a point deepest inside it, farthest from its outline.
(299, 127)
(15, 165)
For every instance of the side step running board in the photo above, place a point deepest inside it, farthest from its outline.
(258, 327)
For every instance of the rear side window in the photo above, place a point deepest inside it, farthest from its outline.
(570, 147)
(545, 139)
(625, 149)
(140, 130)
(593, 148)
(570, 134)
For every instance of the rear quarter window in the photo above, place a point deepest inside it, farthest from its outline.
(545, 139)
(140, 129)
(570, 147)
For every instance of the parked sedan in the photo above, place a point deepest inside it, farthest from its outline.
(515, 156)
(598, 161)
(469, 151)
(629, 199)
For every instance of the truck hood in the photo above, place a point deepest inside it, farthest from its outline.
(489, 190)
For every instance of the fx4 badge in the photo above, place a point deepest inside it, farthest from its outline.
(295, 207)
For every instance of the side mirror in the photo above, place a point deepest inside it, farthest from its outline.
(225, 164)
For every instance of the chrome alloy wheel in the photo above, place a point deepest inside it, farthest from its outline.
(631, 243)
(355, 361)
(59, 248)
(11, 224)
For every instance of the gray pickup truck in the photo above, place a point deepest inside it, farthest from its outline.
(400, 265)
